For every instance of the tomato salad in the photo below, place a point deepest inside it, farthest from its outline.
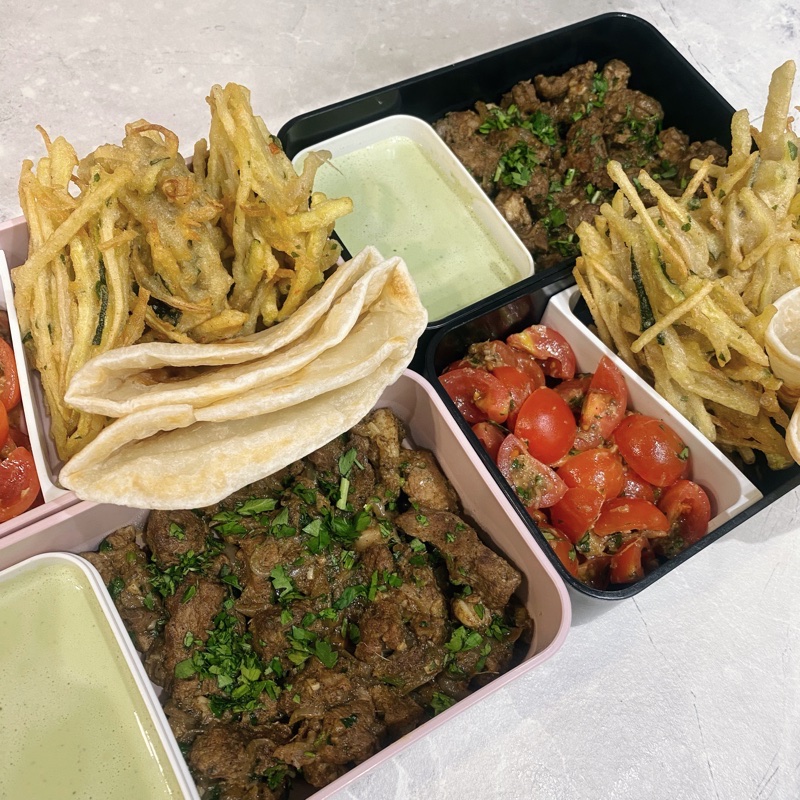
(19, 483)
(608, 488)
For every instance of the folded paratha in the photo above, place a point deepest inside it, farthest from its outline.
(227, 429)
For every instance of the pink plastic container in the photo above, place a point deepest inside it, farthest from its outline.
(82, 526)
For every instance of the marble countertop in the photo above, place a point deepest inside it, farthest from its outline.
(689, 690)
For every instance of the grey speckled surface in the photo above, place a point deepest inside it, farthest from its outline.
(688, 691)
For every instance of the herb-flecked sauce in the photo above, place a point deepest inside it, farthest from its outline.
(404, 206)
(72, 721)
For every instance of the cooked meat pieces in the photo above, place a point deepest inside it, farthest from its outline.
(296, 627)
(541, 153)
(468, 560)
(123, 566)
(223, 756)
(425, 484)
(172, 534)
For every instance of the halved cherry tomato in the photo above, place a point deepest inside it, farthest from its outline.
(626, 565)
(573, 391)
(688, 510)
(576, 512)
(536, 485)
(606, 400)
(626, 514)
(491, 436)
(19, 483)
(494, 353)
(548, 346)
(4, 426)
(9, 382)
(562, 547)
(652, 449)
(636, 486)
(546, 424)
(596, 469)
(519, 384)
(478, 395)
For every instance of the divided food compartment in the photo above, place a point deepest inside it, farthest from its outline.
(550, 300)
(55, 498)
(89, 670)
(84, 525)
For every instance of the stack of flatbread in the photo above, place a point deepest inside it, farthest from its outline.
(195, 422)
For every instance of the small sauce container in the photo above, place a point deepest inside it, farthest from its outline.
(80, 718)
(413, 198)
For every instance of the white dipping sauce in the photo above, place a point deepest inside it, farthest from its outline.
(404, 206)
(72, 720)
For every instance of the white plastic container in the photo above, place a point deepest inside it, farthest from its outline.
(729, 490)
(412, 197)
(80, 717)
(83, 526)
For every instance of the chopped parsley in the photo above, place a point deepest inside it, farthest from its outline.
(515, 166)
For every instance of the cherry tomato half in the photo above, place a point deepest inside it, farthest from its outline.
(688, 510)
(636, 486)
(536, 485)
(9, 382)
(652, 449)
(546, 424)
(494, 353)
(626, 564)
(19, 483)
(548, 346)
(576, 512)
(562, 547)
(519, 384)
(626, 514)
(573, 391)
(491, 436)
(606, 400)
(596, 469)
(478, 395)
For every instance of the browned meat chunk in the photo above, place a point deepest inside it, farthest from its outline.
(468, 560)
(171, 534)
(425, 484)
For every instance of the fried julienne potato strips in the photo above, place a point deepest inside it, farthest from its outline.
(683, 291)
(129, 244)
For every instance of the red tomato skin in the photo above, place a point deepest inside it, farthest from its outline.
(19, 483)
(9, 384)
(626, 565)
(519, 385)
(495, 353)
(477, 394)
(546, 424)
(652, 449)
(636, 486)
(626, 514)
(548, 346)
(606, 400)
(562, 547)
(490, 436)
(536, 485)
(596, 469)
(574, 391)
(4, 425)
(576, 512)
(688, 509)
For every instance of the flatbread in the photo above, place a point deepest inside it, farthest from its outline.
(190, 454)
(121, 381)
(163, 459)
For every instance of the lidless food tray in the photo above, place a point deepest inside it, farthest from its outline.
(55, 498)
(84, 525)
(736, 492)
